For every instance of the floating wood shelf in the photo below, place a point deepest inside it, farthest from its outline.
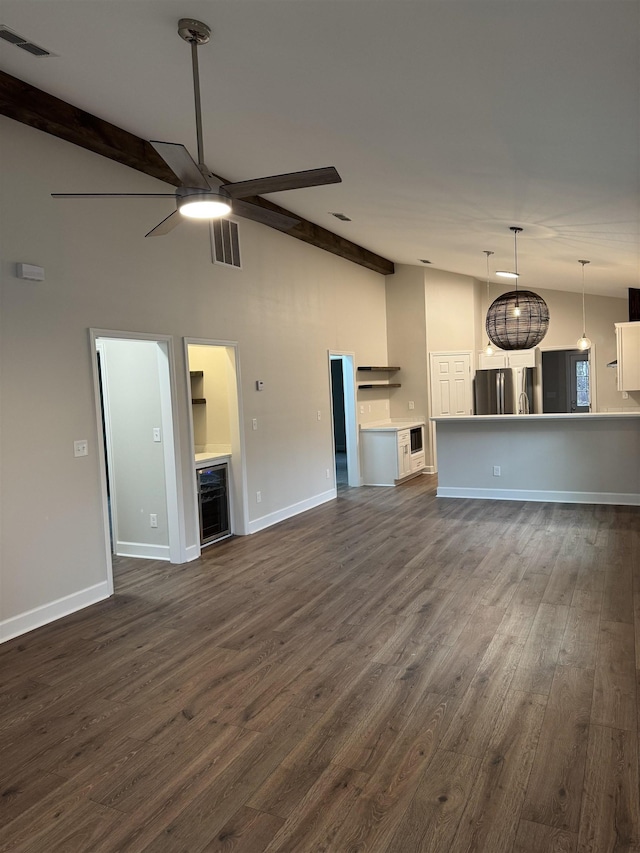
(381, 385)
(368, 367)
(198, 401)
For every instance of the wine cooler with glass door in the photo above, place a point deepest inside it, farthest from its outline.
(213, 502)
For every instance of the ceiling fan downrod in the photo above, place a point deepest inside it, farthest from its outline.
(196, 33)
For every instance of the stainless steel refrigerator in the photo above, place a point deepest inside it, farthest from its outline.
(504, 391)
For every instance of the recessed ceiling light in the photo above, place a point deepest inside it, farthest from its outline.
(423, 261)
(340, 216)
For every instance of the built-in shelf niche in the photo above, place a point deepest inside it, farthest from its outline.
(197, 377)
(378, 369)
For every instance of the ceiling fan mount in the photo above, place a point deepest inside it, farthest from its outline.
(202, 194)
(194, 31)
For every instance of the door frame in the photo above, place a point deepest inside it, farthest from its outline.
(348, 360)
(171, 442)
(592, 374)
(239, 505)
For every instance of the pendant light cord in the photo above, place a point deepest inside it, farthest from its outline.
(488, 253)
(584, 322)
(515, 256)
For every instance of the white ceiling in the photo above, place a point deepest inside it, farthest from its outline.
(448, 120)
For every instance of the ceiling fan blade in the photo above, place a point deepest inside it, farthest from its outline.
(264, 216)
(167, 224)
(181, 163)
(113, 195)
(289, 181)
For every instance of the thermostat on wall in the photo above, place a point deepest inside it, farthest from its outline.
(30, 272)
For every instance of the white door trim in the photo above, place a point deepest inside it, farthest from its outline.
(171, 431)
(348, 360)
(238, 469)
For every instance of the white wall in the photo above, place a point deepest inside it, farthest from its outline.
(451, 307)
(133, 410)
(407, 330)
(286, 308)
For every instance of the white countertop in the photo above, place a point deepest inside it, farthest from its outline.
(204, 459)
(562, 416)
(391, 425)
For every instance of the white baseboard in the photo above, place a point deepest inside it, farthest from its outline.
(289, 511)
(614, 498)
(191, 552)
(142, 549)
(15, 626)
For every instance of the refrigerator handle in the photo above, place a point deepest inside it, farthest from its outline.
(501, 393)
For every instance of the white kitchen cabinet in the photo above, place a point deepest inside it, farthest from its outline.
(386, 452)
(404, 454)
(628, 345)
(507, 358)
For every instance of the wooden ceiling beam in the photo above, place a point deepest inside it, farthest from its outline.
(32, 106)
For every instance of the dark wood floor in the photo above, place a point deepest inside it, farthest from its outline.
(388, 672)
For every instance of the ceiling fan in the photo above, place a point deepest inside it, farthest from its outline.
(202, 194)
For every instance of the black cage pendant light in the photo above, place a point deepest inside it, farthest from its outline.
(518, 319)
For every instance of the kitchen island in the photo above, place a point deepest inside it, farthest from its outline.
(564, 458)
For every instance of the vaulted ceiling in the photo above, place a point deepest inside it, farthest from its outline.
(448, 120)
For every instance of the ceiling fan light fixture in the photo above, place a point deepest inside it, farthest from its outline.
(204, 206)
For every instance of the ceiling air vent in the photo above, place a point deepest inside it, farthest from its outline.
(225, 243)
(20, 41)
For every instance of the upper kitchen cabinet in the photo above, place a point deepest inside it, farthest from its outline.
(628, 346)
(507, 358)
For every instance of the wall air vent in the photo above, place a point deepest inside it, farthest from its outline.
(341, 216)
(23, 43)
(225, 243)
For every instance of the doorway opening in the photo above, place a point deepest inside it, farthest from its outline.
(137, 446)
(345, 425)
(213, 374)
(567, 384)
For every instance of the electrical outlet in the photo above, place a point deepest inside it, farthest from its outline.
(153, 519)
(254, 423)
(328, 474)
(81, 448)
(156, 434)
(412, 405)
(625, 395)
(319, 415)
(362, 410)
(258, 497)
(496, 471)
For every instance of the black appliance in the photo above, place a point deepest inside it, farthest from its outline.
(415, 433)
(213, 502)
